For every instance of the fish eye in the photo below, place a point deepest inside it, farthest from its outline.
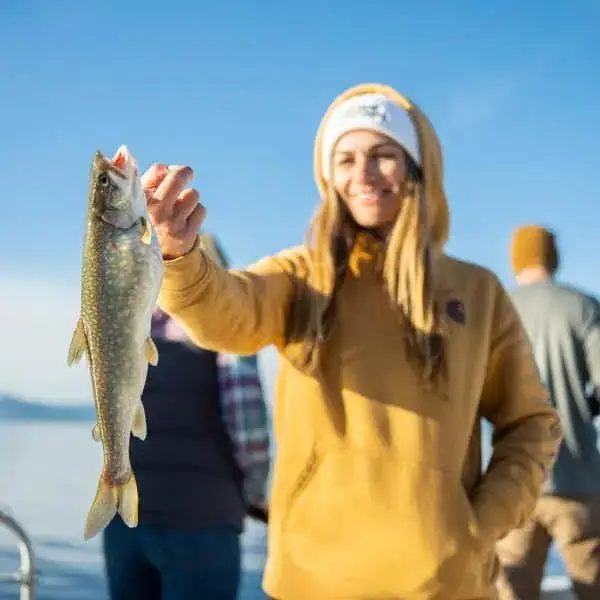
(104, 179)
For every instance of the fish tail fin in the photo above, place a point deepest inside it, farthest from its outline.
(128, 502)
(110, 500)
(103, 509)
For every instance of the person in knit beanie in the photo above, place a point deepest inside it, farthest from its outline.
(564, 327)
(534, 248)
(390, 351)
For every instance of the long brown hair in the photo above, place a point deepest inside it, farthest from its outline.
(408, 270)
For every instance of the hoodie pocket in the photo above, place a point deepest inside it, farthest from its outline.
(372, 526)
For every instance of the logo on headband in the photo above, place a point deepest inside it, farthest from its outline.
(371, 110)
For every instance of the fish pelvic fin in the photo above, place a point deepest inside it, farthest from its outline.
(146, 231)
(110, 500)
(139, 428)
(151, 351)
(78, 344)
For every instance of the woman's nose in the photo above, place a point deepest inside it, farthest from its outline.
(363, 171)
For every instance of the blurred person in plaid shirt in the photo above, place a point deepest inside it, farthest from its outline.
(204, 464)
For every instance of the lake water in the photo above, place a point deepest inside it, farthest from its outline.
(49, 474)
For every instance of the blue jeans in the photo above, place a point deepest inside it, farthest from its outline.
(151, 563)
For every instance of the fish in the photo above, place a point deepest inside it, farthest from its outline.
(121, 275)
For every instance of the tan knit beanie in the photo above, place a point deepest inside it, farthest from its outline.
(533, 246)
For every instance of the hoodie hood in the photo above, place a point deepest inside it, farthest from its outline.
(428, 149)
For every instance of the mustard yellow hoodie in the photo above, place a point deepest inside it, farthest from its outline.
(377, 490)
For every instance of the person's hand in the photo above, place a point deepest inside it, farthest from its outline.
(259, 511)
(174, 210)
(263, 505)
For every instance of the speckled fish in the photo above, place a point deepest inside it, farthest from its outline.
(121, 277)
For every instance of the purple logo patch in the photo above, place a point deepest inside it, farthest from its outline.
(456, 311)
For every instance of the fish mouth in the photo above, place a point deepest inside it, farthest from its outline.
(124, 161)
(122, 164)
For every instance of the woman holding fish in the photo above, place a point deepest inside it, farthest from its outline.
(391, 352)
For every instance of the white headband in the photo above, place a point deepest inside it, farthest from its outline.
(374, 112)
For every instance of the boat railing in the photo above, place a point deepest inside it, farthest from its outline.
(26, 575)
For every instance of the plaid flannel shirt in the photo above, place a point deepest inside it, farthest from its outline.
(245, 416)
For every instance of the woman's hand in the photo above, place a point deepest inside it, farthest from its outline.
(174, 210)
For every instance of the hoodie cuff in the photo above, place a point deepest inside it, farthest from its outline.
(494, 522)
(185, 271)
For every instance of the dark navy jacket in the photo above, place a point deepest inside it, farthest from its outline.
(185, 469)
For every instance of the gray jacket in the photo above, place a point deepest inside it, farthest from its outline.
(563, 324)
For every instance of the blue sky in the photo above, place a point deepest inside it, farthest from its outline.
(237, 89)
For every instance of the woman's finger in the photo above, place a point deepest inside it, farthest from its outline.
(165, 196)
(154, 176)
(185, 205)
(194, 222)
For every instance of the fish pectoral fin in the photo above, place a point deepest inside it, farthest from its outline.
(139, 428)
(96, 433)
(109, 501)
(146, 231)
(78, 344)
(151, 352)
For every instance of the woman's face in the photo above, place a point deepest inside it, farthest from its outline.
(368, 171)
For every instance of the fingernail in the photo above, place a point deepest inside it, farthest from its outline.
(185, 172)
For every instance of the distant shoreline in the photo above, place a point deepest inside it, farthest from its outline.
(13, 409)
(58, 420)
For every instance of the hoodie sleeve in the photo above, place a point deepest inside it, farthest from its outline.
(231, 311)
(526, 433)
